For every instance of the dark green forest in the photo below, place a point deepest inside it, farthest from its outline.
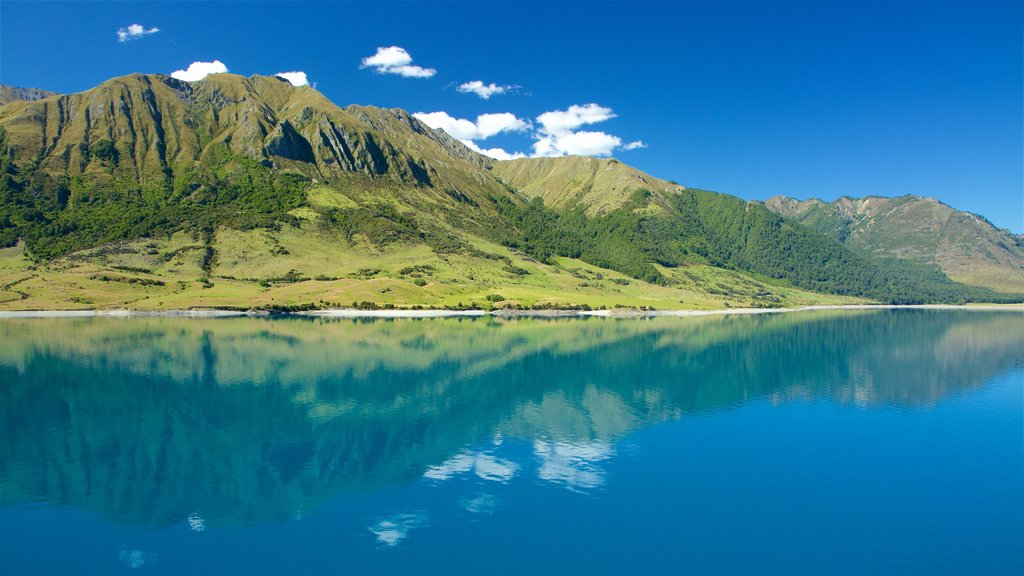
(725, 231)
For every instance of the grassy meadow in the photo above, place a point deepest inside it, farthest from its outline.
(302, 268)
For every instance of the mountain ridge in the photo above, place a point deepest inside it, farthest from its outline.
(11, 93)
(257, 183)
(967, 247)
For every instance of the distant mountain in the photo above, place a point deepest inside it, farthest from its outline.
(234, 191)
(10, 94)
(965, 246)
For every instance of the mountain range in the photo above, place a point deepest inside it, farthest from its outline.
(151, 192)
(966, 247)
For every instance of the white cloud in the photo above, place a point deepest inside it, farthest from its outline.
(563, 121)
(295, 78)
(457, 127)
(482, 90)
(134, 32)
(409, 71)
(395, 60)
(467, 131)
(496, 153)
(388, 57)
(486, 125)
(492, 124)
(199, 70)
(577, 144)
(558, 135)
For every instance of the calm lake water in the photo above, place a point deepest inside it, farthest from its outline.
(818, 442)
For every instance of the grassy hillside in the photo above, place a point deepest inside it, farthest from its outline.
(964, 246)
(597, 185)
(301, 267)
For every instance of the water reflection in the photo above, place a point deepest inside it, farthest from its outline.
(485, 466)
(482, 504)
(134, 558)
(392, 530)
(242, 421)
(575, 465)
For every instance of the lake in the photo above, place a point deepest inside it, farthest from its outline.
(885, 441)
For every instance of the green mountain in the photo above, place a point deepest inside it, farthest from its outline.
(965, 246)
(10, 94)
(151, 192)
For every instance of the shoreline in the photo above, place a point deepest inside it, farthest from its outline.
(440, 313)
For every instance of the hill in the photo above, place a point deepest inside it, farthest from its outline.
(965, 246)
(10, 94)
(598, 185)
(230, 191)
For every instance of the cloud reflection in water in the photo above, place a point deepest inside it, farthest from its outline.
(484, 465)
(574, 465)
(392, 530)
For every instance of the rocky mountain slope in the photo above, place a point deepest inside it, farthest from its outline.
(11, 93)
(147, 125)
(965, 246)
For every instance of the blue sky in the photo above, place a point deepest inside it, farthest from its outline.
(753, 99)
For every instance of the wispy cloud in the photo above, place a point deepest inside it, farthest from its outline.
(634, 145)
(482, 90)
(396, 60)
(199, 70)
(134, 32)
(496, 153)
(295, 78)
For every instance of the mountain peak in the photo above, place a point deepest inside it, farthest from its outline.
(154, 124)
(596, 184)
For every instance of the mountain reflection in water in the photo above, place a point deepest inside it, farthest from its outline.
(150, 421)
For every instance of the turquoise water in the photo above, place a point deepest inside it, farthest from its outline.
(819, 442)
